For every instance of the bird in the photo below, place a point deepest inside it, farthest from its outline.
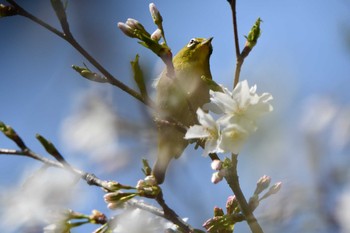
(178, 98)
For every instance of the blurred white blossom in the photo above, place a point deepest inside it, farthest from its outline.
(318, 112)
(238, 112)
(343, 211)
(32, 203)
(136, 220)
(322, 115)
(92, 131)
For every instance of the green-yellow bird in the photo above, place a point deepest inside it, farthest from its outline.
(179, 97)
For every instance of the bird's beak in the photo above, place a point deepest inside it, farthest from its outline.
(207, 41)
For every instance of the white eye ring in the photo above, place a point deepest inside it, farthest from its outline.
(192, 42)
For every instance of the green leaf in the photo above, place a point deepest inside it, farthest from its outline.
(138, 76)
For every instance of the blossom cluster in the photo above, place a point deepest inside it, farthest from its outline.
(237, 113)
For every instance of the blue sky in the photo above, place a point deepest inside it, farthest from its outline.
(302, 52)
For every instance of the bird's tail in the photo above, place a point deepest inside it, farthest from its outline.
(171, 144)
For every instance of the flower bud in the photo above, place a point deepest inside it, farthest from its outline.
(216, 178)
(115, 205)
(156, 35)
(157, 18)
(140, 184)
(218, 212)
(253, 34)
(134, 24)
(216, 165)
(127, 30)
(98, 217)
(262, 184)
(231, 204)
(113, 186)
(151, 180)
(275, 188)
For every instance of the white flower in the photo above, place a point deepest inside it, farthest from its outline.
(208, 130)
(243, 106)
(238, 111)
(233, 138)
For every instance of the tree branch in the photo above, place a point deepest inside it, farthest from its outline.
(235, 27)
(239, 57)
(233, 181)
(67, 36)
(172, 216)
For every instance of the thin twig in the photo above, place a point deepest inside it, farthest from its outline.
(233, 182)
(88, 177)
(67, 36)
(172, 216)
(239, 57)
(235, 27)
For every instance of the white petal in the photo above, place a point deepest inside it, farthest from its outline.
(206, 119)
(196, 131)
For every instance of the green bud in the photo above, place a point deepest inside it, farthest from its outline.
(49, 147)
(7, 11)
(149, 191)
(113, 186)
(88, 74)
(146, 168)
(11, 134)
(253, 34)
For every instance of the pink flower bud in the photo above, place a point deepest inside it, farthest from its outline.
(157, 18)
(216, 165)
(127, 30)
(216, 178)
(156, 35)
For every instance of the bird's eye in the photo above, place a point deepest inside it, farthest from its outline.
(192, 42)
